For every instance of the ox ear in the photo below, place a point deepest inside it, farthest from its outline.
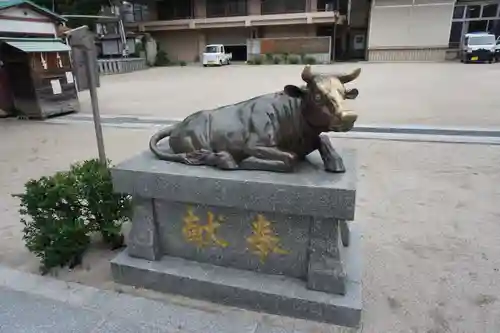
(351, 94)
(294, 91)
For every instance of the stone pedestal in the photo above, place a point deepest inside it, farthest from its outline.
(266, 241)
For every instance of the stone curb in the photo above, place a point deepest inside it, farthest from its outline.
(137, 314)
(132, 309)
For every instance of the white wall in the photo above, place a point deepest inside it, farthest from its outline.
(410, 24)
(234, 36)
(10, 25)
(22, 12)
(27, 27)
(179, 45)
(280, 31)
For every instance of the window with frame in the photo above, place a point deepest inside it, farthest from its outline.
(458, 12)
(455, 34)
(174, 10)
(494, 27)
(473, 11)
(140, 12)
(490, 10)
(222, 8)
(478, 26)
(282, 6)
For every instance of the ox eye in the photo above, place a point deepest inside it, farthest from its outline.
(317, 97)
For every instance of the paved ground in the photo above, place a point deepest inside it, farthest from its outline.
(444, 94)
(30, 303)
(429, 213)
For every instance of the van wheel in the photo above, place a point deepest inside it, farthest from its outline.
(205, 65)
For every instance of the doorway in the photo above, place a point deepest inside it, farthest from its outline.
(329, 31)
(239, 52)
(6, 103)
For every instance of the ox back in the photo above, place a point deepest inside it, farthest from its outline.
(274, 119)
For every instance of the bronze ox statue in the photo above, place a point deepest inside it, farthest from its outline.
(277, 129)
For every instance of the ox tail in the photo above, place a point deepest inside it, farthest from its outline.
(162, 155)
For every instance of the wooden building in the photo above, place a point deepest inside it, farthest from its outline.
(37, 73)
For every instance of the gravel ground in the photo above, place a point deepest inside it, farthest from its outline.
(429, 213)
(442, 94)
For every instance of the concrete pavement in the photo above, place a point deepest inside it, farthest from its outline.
(429, 214)
(437, 94)
(31, 303)
(440, 134)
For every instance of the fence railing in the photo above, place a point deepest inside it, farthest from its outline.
(121, 65)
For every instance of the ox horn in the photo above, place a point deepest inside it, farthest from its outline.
(345, 78)
(307, 74)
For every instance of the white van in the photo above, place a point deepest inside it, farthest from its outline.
(215, 54)
(478, 46)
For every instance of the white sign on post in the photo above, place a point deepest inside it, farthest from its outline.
(69, 77)
(56, 87)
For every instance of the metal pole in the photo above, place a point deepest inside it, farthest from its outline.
(334, 48)
(349, 6)
(89, 65)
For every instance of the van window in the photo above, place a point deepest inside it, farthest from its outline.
(481, 40)
(211, 49)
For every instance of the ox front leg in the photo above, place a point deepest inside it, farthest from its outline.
(331, 159)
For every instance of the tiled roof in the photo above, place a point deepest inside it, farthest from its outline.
(11, 3)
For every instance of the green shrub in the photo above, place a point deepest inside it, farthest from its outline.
(250, 62)
(285, 58)
(309, 60)
(276, 60)
(162, 59)
(105, 211)
(56, 231)
(293, 60)
(182, 63)
(60, 212)
(269, 58)
(257, 61)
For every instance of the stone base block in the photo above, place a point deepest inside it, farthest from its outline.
(274, 294)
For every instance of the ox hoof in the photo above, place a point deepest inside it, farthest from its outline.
(336, 166)
(225, 161)
(290, 159)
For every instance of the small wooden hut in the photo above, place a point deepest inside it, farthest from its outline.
(44, 84)
(35, 63)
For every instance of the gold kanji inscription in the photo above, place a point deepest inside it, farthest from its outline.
(263, 240)
(202, 234)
